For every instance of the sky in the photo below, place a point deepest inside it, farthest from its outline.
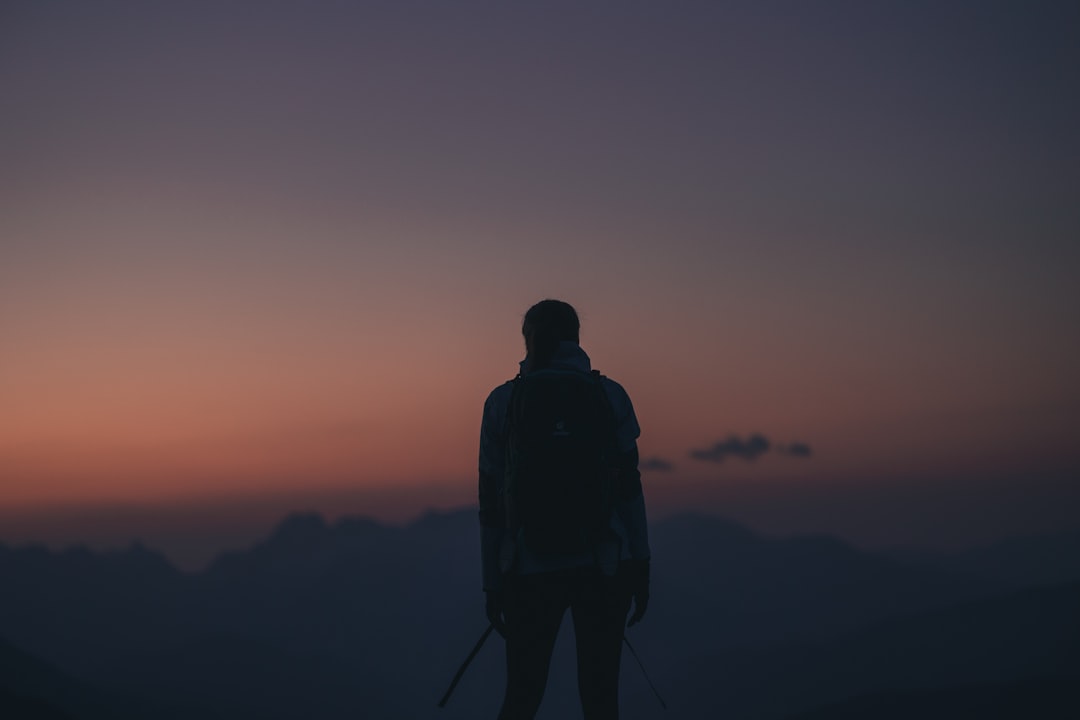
(276, 254)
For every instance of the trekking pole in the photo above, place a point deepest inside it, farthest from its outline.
(642, 666)
(465, 665)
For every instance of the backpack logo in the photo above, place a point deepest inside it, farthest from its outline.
(560, 429)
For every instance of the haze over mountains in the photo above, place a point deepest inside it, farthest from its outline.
(359, 619)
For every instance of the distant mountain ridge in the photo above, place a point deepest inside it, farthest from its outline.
(369, 617)
(1023, 560)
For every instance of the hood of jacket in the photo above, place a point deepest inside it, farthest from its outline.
(568, 356)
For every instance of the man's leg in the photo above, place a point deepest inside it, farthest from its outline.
(599, 609)
(535, 605)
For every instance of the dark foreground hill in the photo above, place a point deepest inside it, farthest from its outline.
(1039, 698)
(1016, 640)
(357, 618)
(31, 688)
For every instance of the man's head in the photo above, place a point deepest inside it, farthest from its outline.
(546, 324)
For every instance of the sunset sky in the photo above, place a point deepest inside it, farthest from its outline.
(274, 249)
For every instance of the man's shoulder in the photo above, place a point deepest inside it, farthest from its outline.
(614, 390)
(612, 384)
(501, 393)
(629, 430)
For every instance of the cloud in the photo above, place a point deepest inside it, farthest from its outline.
(655, 464)
(749, 449)
(795, 449)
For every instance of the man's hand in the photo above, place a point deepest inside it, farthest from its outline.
(493, 608)
(639, 585)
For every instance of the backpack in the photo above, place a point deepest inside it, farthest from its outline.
(559, 461)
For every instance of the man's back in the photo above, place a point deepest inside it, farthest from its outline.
(562, 515)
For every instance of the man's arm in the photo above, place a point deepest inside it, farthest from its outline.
(629, 496)
(630, 501)
(492, 507)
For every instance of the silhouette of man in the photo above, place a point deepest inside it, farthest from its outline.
(531, 572)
